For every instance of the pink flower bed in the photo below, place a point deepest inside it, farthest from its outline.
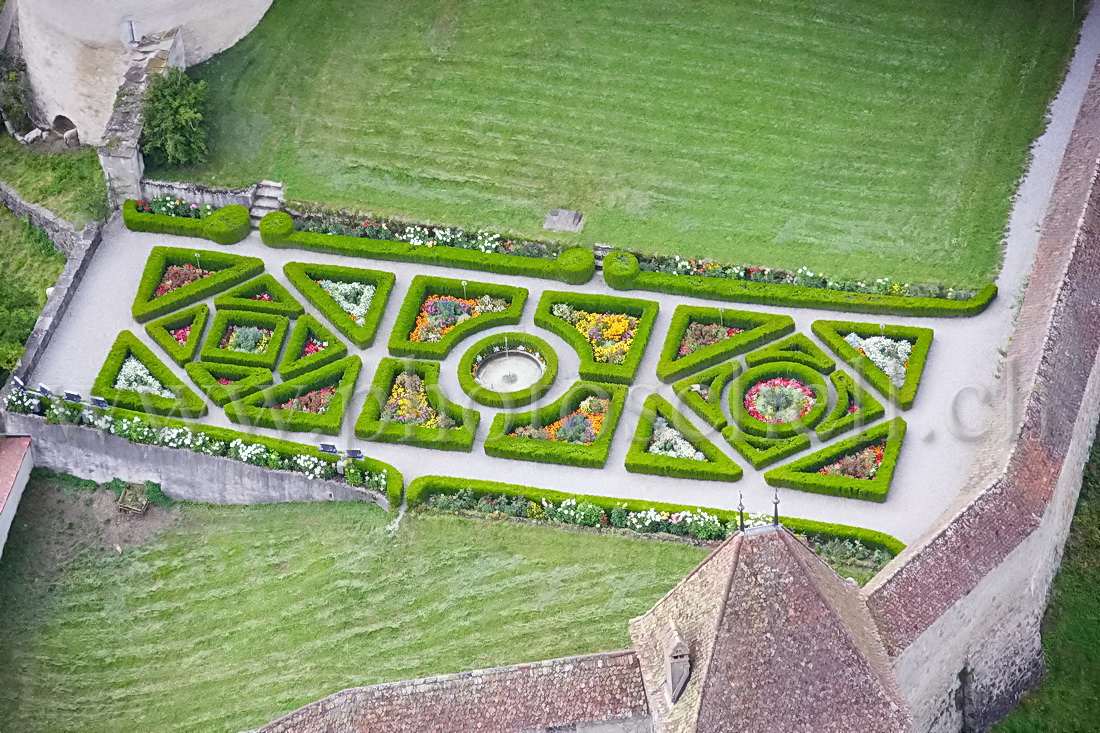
(182, 334)
(176, 276)
(316, 402)
(779, 400)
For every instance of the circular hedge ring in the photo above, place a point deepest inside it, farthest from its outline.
(500, 344)
(775, 388)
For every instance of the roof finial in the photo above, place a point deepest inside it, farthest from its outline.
(775, 501)
(741, 508)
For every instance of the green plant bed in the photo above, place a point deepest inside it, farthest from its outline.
(715, 378)
(229, 270)
(496, 343)
(575, 265)
(591, 368)
(833, 333)
(803, 475)
(241, 298)
(305, 276)
(262, 409)
(756, 329)
(161, 330)
(621, 272)
(716, 467)
(424, 286)
(184, 403)
(227, 225)
(293, 364)
(212, 351)
(371, 426)
(797, 348)
(744, 421)
(849, 394)
(761, 452)
(246, 380)
(502, 444)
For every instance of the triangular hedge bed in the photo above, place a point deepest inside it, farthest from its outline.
(761, 452)
(185, 404)
(161, 329)
(293, 364)
(756, 329)
(716, 467)
(833, 332)
(716, 379)
(849, 394)
(246, 380)
(261, 409)
(229, 270)
(797, 348)
(242, 297)
(304, 277)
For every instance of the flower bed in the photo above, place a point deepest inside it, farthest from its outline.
(168, 205)
(314, 402)
(136, 377)
(666, 444)
(180, 333)
(176, 276)
(778, 400)
(408, 404)
(225, 270)
(580, 426)
(224, 383)
(863, 464)
(889, 355)
(245, 338)
(264, 294)
(168, 215)
(700, 337)
(703, 392)
(352, 299)
(886, 343)
(132, 377)
(310, 346)
(854, 407)
(439, 314)
(471, 361)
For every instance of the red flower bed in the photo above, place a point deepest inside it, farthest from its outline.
(316, 401)
(263, 295)
(313, 345)
(701, 335)
(779, 400)
(182, 334)
(224, 382)
(863, 464)
(176, 276)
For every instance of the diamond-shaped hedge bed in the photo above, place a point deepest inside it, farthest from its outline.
(183, 401)
(218, 342)
(314, 402)
(699, 337)
(264, 294)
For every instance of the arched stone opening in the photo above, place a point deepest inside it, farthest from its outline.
(64, 127)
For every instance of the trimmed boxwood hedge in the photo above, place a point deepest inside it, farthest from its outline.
(240, 298)
(757, 329)
(293, 364)
(717, 467)
(502, 445)
(259, 409)
(223, 319)
(518, 398)
(839, 420)
(797, 348)
(159, 331)
(227, 225)
(370, 426)
(246, 380)
(621, 271)
(760, 452)
(772, 370)
(425, 285)
(185, 404)
(709, 409)
(644, 310)
(304, 276)
(833, 332)
(421, 488)
(231, 269)
(575, 265)
(803, 473)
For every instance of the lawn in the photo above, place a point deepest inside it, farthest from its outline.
(69, 183)
(231, 616)
(861, 139)
(27, 258)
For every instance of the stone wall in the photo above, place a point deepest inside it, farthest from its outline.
(196, 193)
(65, 237)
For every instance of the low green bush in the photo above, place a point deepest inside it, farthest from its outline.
(304, 276)
(833, 333)
(716, 378)
(574, 266)
(502, 444)
(370, 426)
(621, 271)
(797, 348)
(262, 409)
(424, 286)
(716, 467)
(848, 393)
(227, 225)
(761, 452)
(185, 403)
(773, 370)
(241, 298)
(174, 115)
(229, 271)
(496, 342)
(293, 364)
(756, 329)
(598, 371)
(161, 332)
(212, 351)
(245, 380)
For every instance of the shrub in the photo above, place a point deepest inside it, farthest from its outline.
(282, 303)
(716, 467)
(761, 452)
(174, 118)
(265, 408)
(304, 276)
(185, 402)
(849, 393)
(756, 329)
(519, 398)
(709, 407)
(797, 348)
(229, 270)
(921, 338)
(244, 380)
(293, 364)
(227, 225)
(161, 332)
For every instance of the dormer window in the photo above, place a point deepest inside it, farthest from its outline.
(677, 665)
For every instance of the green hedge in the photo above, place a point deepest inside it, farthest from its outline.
(761, 452)
(833, 332)
(797, 348)
(803, 473)
(771, 370)
(839, 420)
(370, 426)
(621, 271)
(246, 380)
(293, 365)
(231, 269)
(518, 398)
(590, 369)
(757, 329)
(159, 331)
(717, 467)
(227, 225)
(223, 319)
(709, 409)
(574, 266)
(240, 298)
(502, 445)
(304, 276)
(425, 285)
(185, 404)
(420, 489)
(259, 409)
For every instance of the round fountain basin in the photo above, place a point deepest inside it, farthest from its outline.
(509, 371)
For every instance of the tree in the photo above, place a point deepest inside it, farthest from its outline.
(175, 119)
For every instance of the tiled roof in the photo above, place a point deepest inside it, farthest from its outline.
(12, 452)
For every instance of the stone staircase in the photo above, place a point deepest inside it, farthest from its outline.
(267, 197)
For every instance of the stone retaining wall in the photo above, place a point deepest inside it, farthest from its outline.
(198, 194)
(65, 237)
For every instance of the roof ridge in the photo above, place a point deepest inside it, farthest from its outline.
(736, 536)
